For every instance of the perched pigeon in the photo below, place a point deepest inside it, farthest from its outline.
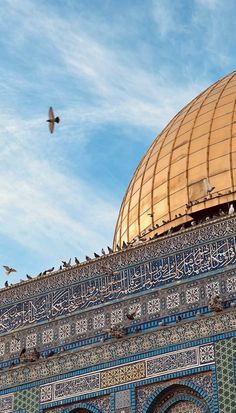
(231, 209)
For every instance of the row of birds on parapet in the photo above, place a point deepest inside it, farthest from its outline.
(138, 239)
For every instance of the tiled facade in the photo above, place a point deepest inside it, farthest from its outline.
(177, 355)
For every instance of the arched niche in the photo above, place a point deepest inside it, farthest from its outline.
(82, 408)
(177, 398)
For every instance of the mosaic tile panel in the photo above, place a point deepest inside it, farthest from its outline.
(79, 327)
(6, 403)
(67, 361)
(202, 381)
(184, 407)
(173, 361)
(102, 403)
(225, 354)
(27, 400)
(124, 374)
(122, 399)
(190, 260)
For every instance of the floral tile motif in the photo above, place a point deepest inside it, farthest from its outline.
(153, 306)
(2, 349)
(47, 336)
(173, 300)
(192, 295)
(15, 345)
(207, 353)
(98, 321)
(231, 284)
(64, 331)
(31, 340)
(212, 289)
(116, 317)
(81, 326)
(46, 393)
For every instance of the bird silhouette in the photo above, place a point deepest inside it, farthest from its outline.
(87, 258)
(52, 119)
(110, 250)
(50, 354)
(96, 255)
(107, 270)
(66, 264)
(29, 277)
(118, 247)
(8, 270)
(40, 274)
(23, 351)
(6, 284)
(132, 315)
(231, 209)
(77, 261)
(103, 251)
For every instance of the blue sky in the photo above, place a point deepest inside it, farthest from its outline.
(115, 72)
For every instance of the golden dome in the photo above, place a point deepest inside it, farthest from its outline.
(195, 152)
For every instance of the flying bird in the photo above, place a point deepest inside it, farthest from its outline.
(52, 119)
(8, 270)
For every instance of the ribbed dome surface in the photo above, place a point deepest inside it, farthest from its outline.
(195, 152)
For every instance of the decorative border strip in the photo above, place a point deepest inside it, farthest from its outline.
(128, 373)
(180, 335)
(174, 243)
(186, 265)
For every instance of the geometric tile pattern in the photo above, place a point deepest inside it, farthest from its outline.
(127, 373)
(203, 381)
(225, 354)
(125, 347)
(122, 399)
(102, 404)
(187, 256)
(28, 400)
(185, 407)
(123, 374)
